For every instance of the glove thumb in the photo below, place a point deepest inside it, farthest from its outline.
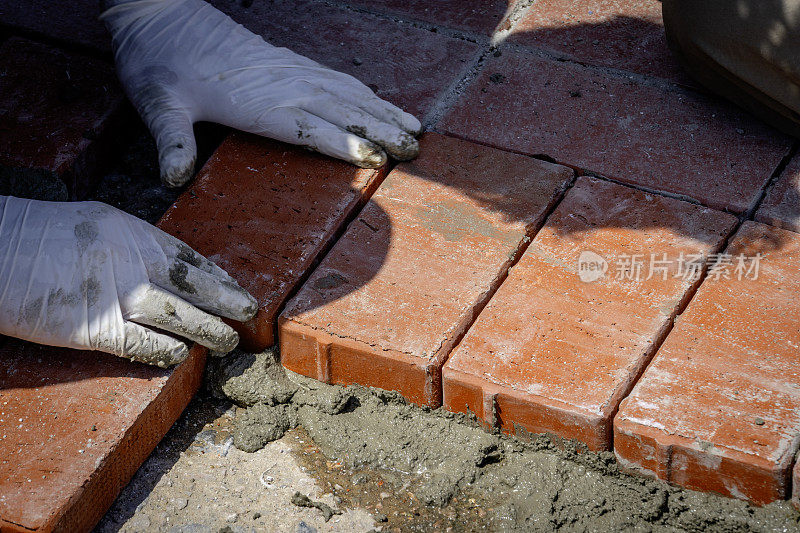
(170, 123)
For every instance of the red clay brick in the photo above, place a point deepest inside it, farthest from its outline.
(781, 206)
(408, 66)
(626, 35)
(673, 141)
(552, 353)
(74, 428)
(718, 409)
(481, 16)
(396, 292)
(73, 22)
(57, 115)
(264, 211)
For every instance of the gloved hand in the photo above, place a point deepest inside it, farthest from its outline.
(182, 61)
(86, 275)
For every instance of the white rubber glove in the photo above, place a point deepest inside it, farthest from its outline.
(182, 61)
(86, 275)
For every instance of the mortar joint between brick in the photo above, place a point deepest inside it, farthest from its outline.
(590, 173)
(670, 325)
(323, 362)
(490, 408)
(450, 96)
(352, 217)
(776, 174)
(627, 75)
(525, 242)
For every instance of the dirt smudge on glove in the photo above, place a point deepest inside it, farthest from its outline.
(177, 275)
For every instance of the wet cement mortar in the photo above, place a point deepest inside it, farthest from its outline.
(444, 471)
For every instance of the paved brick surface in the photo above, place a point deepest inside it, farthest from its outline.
(481, 16)
(387, 304)
(554, 353)
(718, 409)
(57, 115)
(75, 426)
(264, 211)
(72, 22)
(781, 206)
(673, 141)
(626, 35)
(408, 66)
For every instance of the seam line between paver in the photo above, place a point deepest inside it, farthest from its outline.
(447, 31)
(326, 248)
(590, 173)
(450, 96)
(689, 296)
(478, 308)
(453, 93)
(750, 214)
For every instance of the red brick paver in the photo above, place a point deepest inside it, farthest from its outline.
(718, 409)
(74, 428)
(57, 115)
(672, 141)
(408, 66)
(264, 211)
(626, 35)
(556, 352)
(481, 16)
(396, 292)
(781, 206)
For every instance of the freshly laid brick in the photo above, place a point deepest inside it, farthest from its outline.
(627, 35)
(74, 22)
(264, 211)
(58, 112)
(556, 351)
(718, 409)
(408, 66)
(481, 16)
(674, 141)
(400, 287)
(781, 206)
(74, 428)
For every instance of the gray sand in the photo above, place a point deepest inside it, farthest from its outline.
(532, 483)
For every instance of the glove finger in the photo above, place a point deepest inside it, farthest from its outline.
(152, 306)
(175, 248)
(170, 123)
(147, 346)
(218, 296)
(296, 126)
(363, 97)
(398, 143)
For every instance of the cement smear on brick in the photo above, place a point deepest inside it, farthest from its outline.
(537, 483)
